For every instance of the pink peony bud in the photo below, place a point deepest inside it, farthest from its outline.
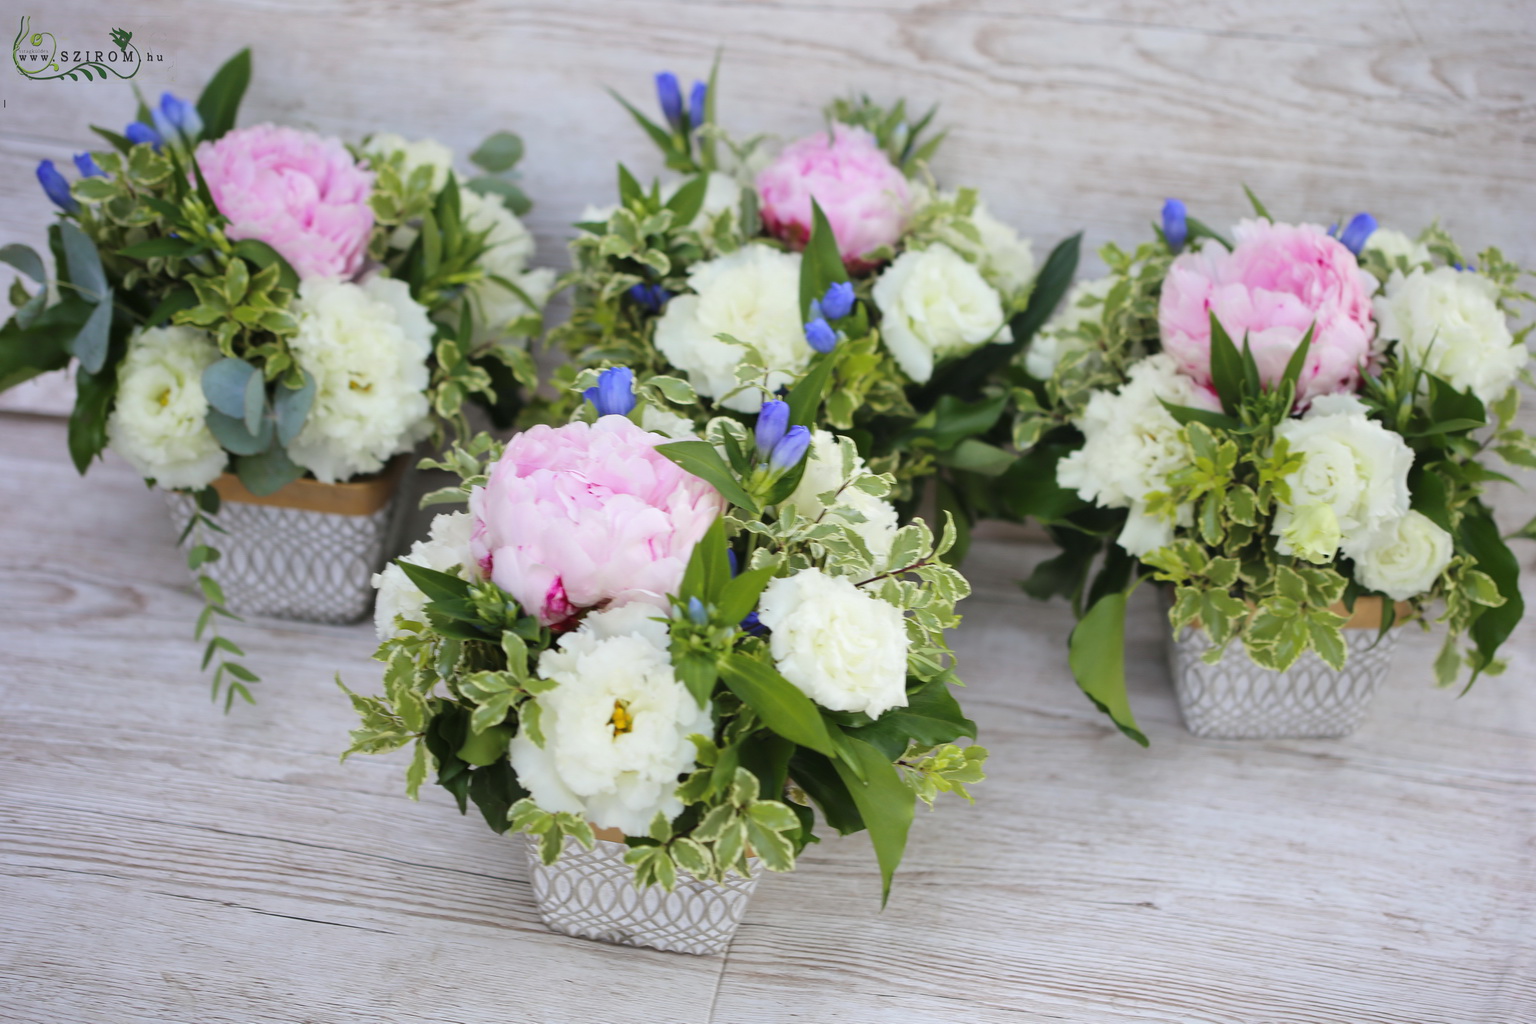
(863, 194)
(588, 516)
(301, 193)
(1278, 280)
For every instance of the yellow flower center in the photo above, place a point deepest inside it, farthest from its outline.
(621, 720)
(165, 398)
(356, 386)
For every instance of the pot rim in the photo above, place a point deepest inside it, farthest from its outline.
(360, 496)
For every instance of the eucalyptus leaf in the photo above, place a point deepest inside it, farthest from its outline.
(24, 259)
(230, 432)
(499, 153)
(292, 406)
(268, 471)
(91, 344)
(225, 384)
(83, 262)
(255, 401)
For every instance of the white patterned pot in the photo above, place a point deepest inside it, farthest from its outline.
(591, 894)
(307, 551)
(1237, 699)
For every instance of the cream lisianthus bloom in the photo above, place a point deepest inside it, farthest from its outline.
(615, 726)
(1448, 322)
(753, 295)
(1046, 350)
(446, 548)
(843, 648)
(1131, 444)
(825, 474)
(1008, 257)
(1394, 245)
(935, 304)
(509, 249)
(1405, 558)
(427, 153)
(367, 346)
(159, 420)
(1353, 480)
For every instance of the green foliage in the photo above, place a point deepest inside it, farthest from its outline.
(463, 681)
(230, 677)
(1223, 569)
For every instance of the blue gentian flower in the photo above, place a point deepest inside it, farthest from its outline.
(1175, 223)
(614, 393)
(697, 612)
(670, 96)
(650, 296)
(174, 115)
(753, 626)
(86, 164)
(820, 335)
(838, 302)
(789, 450)
(56, 187)
(139, 133)
(772, 422)
(696, 103)
(1357, 232)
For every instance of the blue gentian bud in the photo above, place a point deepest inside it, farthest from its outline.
(56, 187)
(1175, 223)
(697, 612)
(696, 103)
(820, 335)
(772, 422)
(1357, 232)
(838, 302)
(790, 450)
(671, 97)
(614, 393)
(174, 115)
(650, 296)
(86, 164)
(730, 556)
(139, 133)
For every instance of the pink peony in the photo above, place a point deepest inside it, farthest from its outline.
(588, 516)
(862, 193)
(1278, 280)
(301, 193)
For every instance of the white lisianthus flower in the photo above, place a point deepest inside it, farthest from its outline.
(421, 153)
(824, 474)
(844, 648)
(1394, 245)
(933, 305)
(1352, 482)
(445, 549)
(367, 347)
(667, 423)
(159, 420)
(615, 726)
(509, 248)
(1448, 322)
(1405, 558)
(1009, 257)
(1048, 347)
(752, 294)
(1131, 444)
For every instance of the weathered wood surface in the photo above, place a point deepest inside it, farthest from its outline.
(162, 862)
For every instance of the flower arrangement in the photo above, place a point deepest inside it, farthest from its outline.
(697, 642)
(1276, 426)
(838, 258)
(269, 301)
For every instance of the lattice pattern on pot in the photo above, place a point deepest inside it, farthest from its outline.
(591, 894)
(291, 563)
(1236, 699)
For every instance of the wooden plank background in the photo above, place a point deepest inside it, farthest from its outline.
(161, 863)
